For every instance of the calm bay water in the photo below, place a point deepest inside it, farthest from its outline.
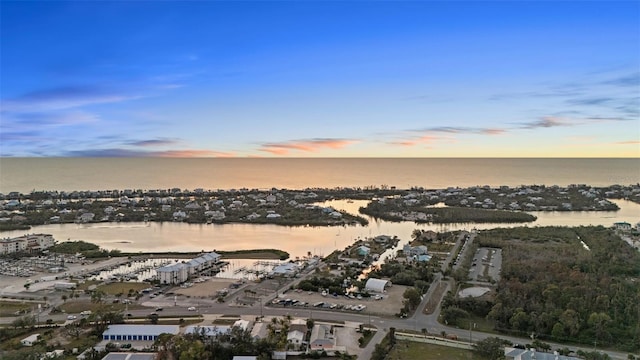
(176, 236)
(27, 174)
(68, 174)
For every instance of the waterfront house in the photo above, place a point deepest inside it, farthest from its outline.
(173, 274)
(363, 250)
(624, 226)
(31, 243)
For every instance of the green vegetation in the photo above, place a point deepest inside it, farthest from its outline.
(367, 335)
(396, 210)
(11, 308)
(120, 288)
(255, 254)
(75, 307)
(410, 350)
(458, 214)
(491, 348)
(552, 286)
(12, 227)
(407, 273)
(87, 249)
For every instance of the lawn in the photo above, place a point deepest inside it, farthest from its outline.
(73, 307)
(481, 324)
(409, 350)
(9, 308)
(122, 287)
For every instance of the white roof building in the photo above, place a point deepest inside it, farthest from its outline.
(376, 285)
(173, 274)
(30, 340)
(125, 332)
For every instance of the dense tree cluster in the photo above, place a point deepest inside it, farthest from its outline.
(567, 284)
(393, 210)
(406, 273)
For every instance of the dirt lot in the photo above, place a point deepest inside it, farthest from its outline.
(205, 289)
(390, 304)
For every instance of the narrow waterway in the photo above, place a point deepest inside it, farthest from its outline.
(298, 241)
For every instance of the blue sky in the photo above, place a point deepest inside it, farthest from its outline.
(320, 79)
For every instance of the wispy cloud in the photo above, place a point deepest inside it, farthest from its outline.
(590, 101)
(153, 142)
(53, 118)
(67, 97)
(547, 122)
(461, 130)
(626, 80)
(441, 134)
(628, 142)
(118, 152)
(311, 145)
(413, 141)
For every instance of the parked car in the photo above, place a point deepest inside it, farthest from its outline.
(71, 317)
(192, 308)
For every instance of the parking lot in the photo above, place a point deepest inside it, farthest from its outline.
(388, 304)
(486, 265)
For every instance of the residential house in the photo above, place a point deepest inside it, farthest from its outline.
(622, 225)
(363, 250)
(321, 338)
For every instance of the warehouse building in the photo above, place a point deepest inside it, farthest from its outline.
(138, 332)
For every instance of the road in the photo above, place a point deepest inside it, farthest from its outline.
(416, 322)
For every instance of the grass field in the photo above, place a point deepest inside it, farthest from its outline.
(122, 287)
(409, 350)
(73, 307)
(9, 308)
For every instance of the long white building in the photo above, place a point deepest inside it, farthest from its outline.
(26, 243)
(125, 332)
(180, 272)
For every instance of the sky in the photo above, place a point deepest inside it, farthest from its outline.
(319, 79)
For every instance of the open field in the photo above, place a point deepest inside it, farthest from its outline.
(8, 308)
(208, 288)
(122, 287)
(74, 307)
(409, 350)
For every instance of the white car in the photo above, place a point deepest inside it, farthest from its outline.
(192, 308)
(71, 317)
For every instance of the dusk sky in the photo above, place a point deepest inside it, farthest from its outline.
(320, 79)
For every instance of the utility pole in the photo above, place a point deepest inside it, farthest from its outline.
(471, 332)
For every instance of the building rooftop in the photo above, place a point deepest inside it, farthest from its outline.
(130, 356)
(127, 329)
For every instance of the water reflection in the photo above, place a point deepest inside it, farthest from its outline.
(297, 241)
